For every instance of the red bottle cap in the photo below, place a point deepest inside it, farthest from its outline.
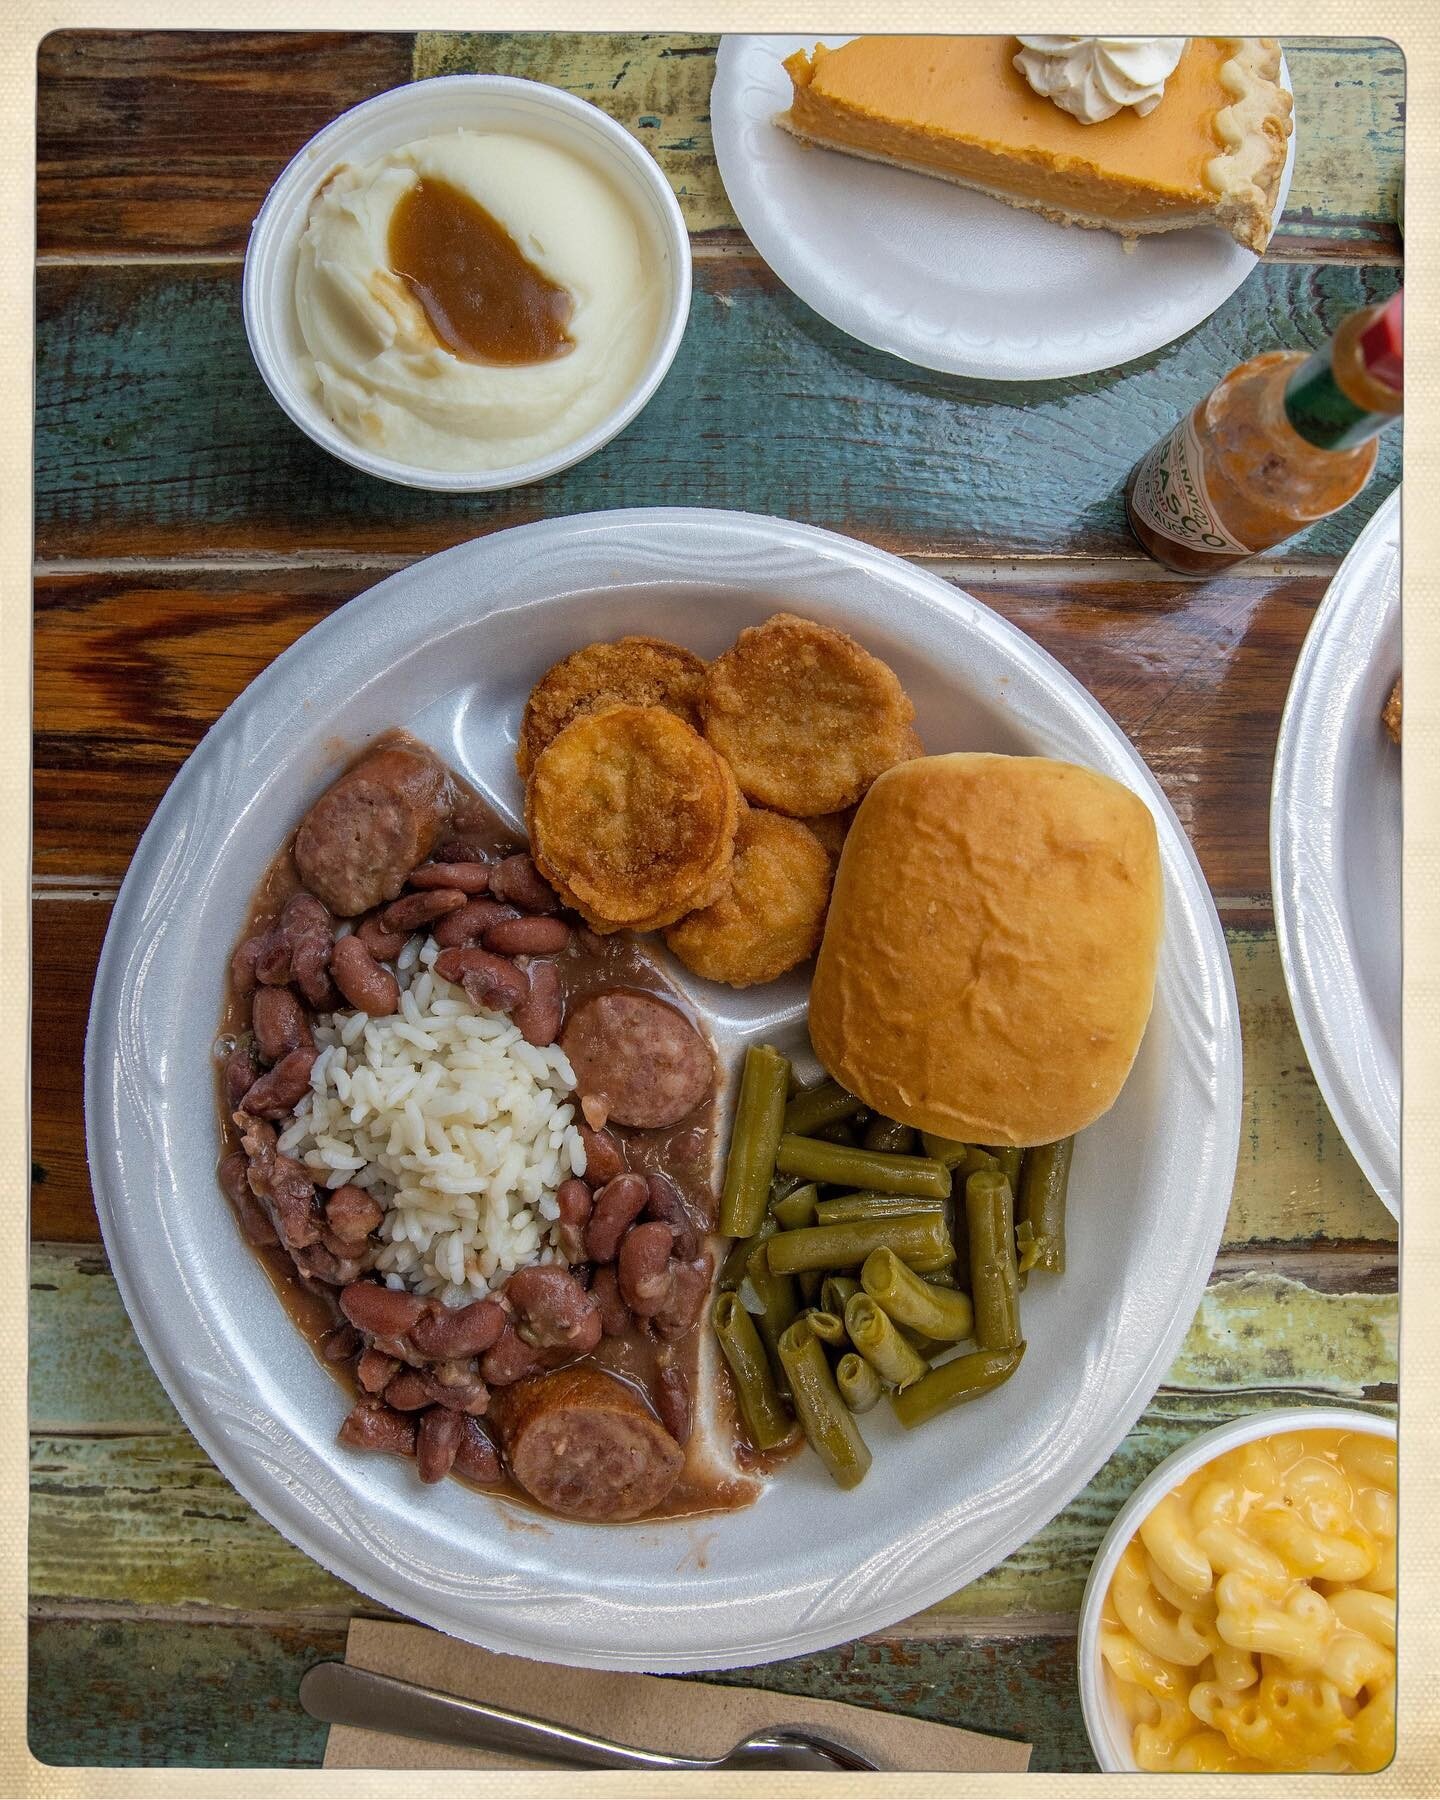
(1382, 344)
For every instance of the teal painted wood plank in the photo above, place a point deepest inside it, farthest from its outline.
(146, 1693)
(155, 435)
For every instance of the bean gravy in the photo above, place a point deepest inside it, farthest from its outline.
(684, 1152)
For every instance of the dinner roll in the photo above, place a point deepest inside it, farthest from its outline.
(988, 963)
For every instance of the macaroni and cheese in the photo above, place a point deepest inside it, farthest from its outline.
(1250, 1623)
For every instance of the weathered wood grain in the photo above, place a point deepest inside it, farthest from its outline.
(1296, 1183)
(167, 142)
(112, 1464)
(194, 1695)
(155, 434)
(130, 672)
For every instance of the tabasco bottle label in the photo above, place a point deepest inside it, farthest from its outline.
(1169, 496)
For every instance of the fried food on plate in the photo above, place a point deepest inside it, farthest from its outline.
(771, 913)
(1393, 709)
(804, 716)
(832, 830)
(632, 817)
(635, 671)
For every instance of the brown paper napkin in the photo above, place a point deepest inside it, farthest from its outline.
(694, 1718)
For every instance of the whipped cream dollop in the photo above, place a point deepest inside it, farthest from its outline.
(1093, 78)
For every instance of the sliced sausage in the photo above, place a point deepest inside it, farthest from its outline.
(490, 981)
(644, 1059)
(643, 1268)
(459, 1331)
(373, 1427)
(370, 828)
(437, 1443)
(528, 937)
(585, 1445)
(604, 1159)
(279, 1023)
(477, 1459)
(380, 1311)
(469, 877)
(365, 983)
(470, 923)
(541, 1013)
(280, 1089)
(518, 880)
(617, 1206)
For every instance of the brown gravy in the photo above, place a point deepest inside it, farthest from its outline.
(683, 1152)
(485, 300)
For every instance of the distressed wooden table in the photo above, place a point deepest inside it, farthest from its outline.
(186, 533)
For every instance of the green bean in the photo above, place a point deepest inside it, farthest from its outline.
(758, 1115)
(838, 1131)
(860, 1387)
(1043, 1184)
(874, 1335)
(820, 1105)
(969, 1159)
(826, 1420)
(776, 1295)
(766, 1421)
(989, 1214)
(781, 1185)
(920, 1239)
(827, 1326)
(939, 1312)
(953, 1383)
(840, 1209)
(836, 1290)
(732, 1270)
(889, 1135)
(1008, 1161)
(843, 1167)
(808, 1284)
(796, 1209)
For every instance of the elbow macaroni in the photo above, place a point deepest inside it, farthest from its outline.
(1250, 1623)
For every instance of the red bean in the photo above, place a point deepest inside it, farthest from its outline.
(490, 981)
(643, 1267)
(517, 879)
(471, 923)
(241, 1073)
(553, 1311)
(235, 1180)
(321, 1262)
(279, 1023)
(375, 1371)
(477, 1458)
(528, 937)
(604, 1159)
(383, 945)
(279, 1091)
(365, 984)
(672, 1402)
(437, 1442)
(352, 1214)
(381, 1311)
(575, 1202)
(667, 1203)
(407, 1391)
(605, 1292)
(510, 1359)
(371, 1427)
(340, 1343)
(411, 911)
(242, 966)
(468, 877)
(689, 1290)
(457, 850)
(466, 1393)
(618, 1204)
(459, 1331)
(541, 1013)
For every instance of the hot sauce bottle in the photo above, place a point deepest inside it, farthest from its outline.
(1284, 440)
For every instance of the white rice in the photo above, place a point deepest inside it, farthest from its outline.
(459, 1128)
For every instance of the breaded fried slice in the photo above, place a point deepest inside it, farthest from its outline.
(635, 671)
(804, 716)
(832, 829)
(771, 912)
(632, 817)
(1394, 710)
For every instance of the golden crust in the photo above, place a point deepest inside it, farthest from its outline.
(1393, 710)
(634, 671)
(804, 716)
(988, 963)
(1255, 130)
(631, 817)
(769, 916)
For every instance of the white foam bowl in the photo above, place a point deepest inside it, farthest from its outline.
(1108, 1728)
(448, 103)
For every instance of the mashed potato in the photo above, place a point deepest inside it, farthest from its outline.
(378, 368)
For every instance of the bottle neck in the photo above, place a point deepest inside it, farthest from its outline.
(1332, 401)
